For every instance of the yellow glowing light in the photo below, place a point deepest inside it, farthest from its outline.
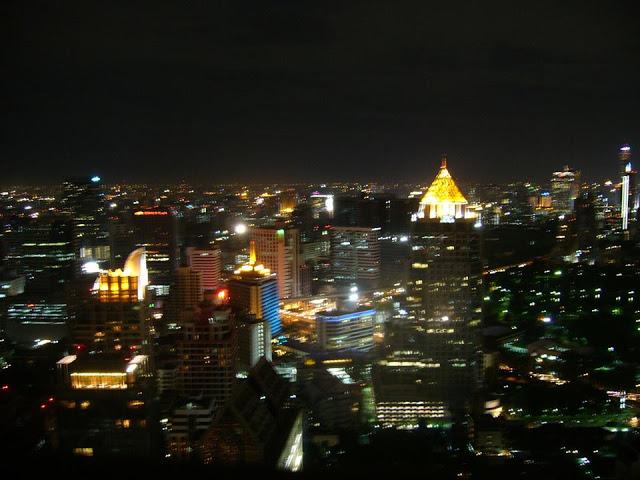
(443, 198)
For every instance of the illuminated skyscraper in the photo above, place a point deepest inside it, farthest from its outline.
(628, 199)
(253, 289)
(157, 231)
(565, 187)
(345, 331)
(185, 294)
(42, 250)
(433, 366)
(278, 249)
(208, 263)
(104, 407)
(257, 425)
(287, 202)
(624, 157)
(83, 200)
(254, 338)
(355, 256)
(207, 348)
(113, 317)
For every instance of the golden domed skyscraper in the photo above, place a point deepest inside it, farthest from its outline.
(443, 199)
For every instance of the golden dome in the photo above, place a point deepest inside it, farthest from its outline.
(443, 198)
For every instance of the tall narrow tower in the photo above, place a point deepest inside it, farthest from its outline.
(432, 369)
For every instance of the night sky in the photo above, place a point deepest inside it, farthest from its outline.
(294, 90)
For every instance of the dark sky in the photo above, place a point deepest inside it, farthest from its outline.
(295, 90)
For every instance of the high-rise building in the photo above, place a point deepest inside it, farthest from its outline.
(113, 317)
(355, 256)
(565, 187)
(253, 289)
(257, 425)
(185, 294)
(287, 201)
(278, 249)
(83, 200)
(628, 187)
(624, 157)
(103, 407)
(628, 200)
(186, 426)
(208, 263)
(254, 338)
(345, 330)
(395, 253)
(207, 348)
(432, 367)
(42, 250)
(157, 231)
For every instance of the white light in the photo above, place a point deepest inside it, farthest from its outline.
(95, 179)
(240, 229)
(353, 289)
(353, 297)
(546, 319)
(328, 204)
(90, 267)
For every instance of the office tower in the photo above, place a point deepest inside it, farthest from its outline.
(187, 424)
(629, 195)
(355, 256)
(27, 320)
(257, 425)
(254, 339)
(121, 238)
(333, 397)
(42, 250)
(322, 206)
(103, 407)
(287, 201)
(345, 330)
(83, 200)
(113, 317)
(624, 158)
(432, 367)
(157, 231)
(585, 228)
(278, 249)
(185, 294)
(390, 214)
(253, 290)
(207, 348)
(565, 187)
(208, 262)
(395, 253)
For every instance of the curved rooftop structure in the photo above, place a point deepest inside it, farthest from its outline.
(443, 199)
(136, 266)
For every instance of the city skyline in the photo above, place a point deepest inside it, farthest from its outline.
(303, 239)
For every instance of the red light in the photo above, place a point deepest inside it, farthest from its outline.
(222, 294)
(43, 406)
(5, 388)
(50, 399)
